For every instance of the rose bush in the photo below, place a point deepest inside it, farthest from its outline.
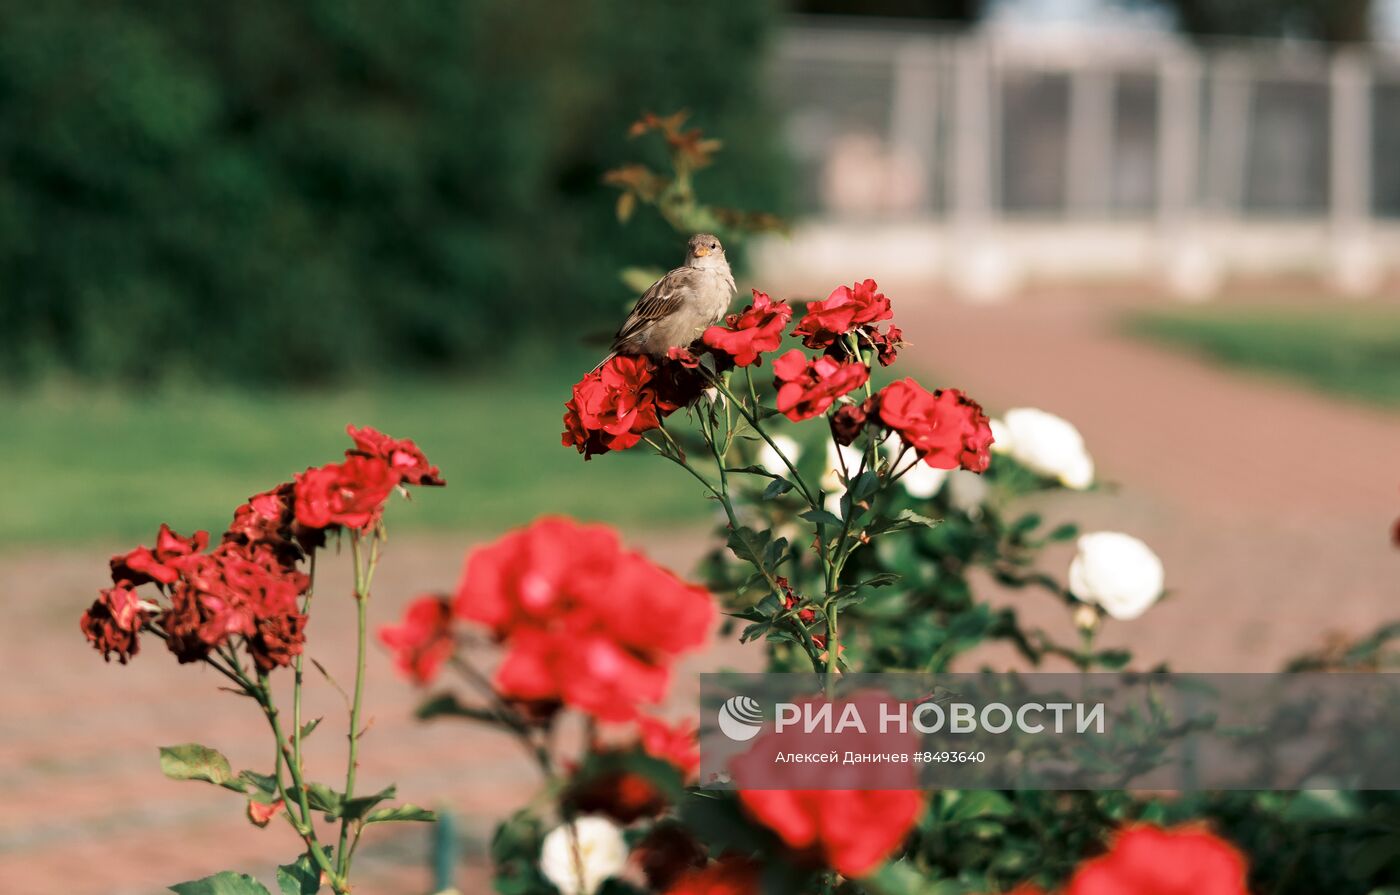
(242, 609)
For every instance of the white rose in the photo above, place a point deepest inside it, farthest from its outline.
(922, 480)
(577, 857)
(771, 461)
(1117, 572)
(966, 491)
(841, 462)
(1046, 444)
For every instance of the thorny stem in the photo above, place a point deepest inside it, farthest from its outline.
(364, 574)
(752, 419)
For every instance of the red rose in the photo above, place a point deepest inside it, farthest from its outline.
(237, 591)
(945, 427)
(679, 744)
(845, 309)
(747, 335)
(1146, 860)
(612, 407)
(402, 455)
(887, 343)
(806, 388)
(424, 641)
(849, 830)
(583, 621)
(730, 875)
(113, 621)
(161, 564)
(848, 421)
(351, 494)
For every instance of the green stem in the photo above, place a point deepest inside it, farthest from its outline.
(753, 422)
(363, 575)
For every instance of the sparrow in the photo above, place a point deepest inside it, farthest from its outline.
(679, 307)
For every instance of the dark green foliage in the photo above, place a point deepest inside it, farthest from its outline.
(273, 191)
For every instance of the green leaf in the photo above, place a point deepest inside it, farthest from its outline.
(1323, 805)
(322, 798)
(264, 783)
(977, 803)
(749, 545)
(905, 519)
(191, 761)
(302, 877)
(310, 726)
(447, 705)
(359, 806)
(400, 812)
(777, 487)
(822, 517)
(226, 883)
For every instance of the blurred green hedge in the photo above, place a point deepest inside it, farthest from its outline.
(307, 190)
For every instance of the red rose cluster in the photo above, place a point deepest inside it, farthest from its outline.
(848, 830)
(1147, 860)
(584, 622)
(945, 428)
(808, 388)
(851, 311)
(248, 590)
(747, 335)
(352, 493)
(625, 795)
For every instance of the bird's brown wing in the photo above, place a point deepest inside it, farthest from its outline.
(665, 297)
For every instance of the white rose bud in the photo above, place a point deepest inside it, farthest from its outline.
(1116, 572)
(769, 459)
(966, 491)
(1046, 444)
(578, 857)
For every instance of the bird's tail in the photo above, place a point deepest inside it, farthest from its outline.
(610, 356)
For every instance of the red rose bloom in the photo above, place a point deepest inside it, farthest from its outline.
(1146, 860)
(584, 621)
(849, 830)
(730, 875)
(945, 427)
(806, 388)
(402, 455)
(678, 744)
(424, 641)
(612, 407)
(161, 564)
(351, 494)
(113, 621)
(848, 421)
(845, 309)
(747, 335)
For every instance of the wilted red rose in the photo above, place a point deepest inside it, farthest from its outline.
(730, 875)
(848, 421)
(845, 309)
(623, 795)
(807, 387)
(237, 591)
(887, 343)
(402, 455)
(259, 813)
(351, 494)
(849, 830)
(757, 329)
(806, 616)
(113, 622)
(946, 428)
(160, 564)
(667, 853)
(424, 640)
(612, 407)
(583, 621)
(1147, 860)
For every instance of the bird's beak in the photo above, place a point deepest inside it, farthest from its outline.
(702, 251)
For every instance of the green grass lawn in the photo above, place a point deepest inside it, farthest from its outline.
(82, 465)
(1348, 350)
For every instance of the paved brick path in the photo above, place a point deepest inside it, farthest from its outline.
(1270, 506)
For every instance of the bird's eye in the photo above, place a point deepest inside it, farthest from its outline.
(714, 245)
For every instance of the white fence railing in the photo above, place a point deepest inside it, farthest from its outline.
(998, 158)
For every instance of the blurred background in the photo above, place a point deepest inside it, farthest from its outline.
(228, 230)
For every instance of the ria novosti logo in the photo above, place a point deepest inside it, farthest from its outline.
(740, 718)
